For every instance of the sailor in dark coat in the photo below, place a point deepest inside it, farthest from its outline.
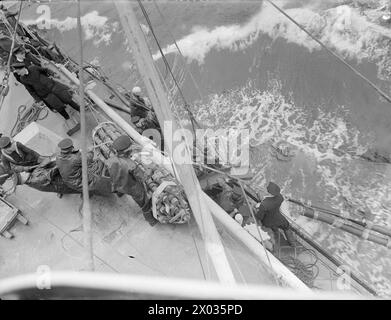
(269, 214)
(20, 55)
(69, 164)
(21, 157)
(127, 177)
(42, 88)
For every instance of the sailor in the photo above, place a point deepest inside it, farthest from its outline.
(142, 115)
(69, 164)
(42, 88)
(269, 215)
(127, 177)
(22, 56)
(232, 201)
(46, 179)
(21, 157)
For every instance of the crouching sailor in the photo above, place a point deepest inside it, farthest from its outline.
(269, 214)
(127, 177)
(142, 115)
(69, 165)
(232, 201)
(19, 156)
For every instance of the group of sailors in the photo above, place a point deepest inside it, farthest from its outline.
(121, 175)
(230, 197)
(118, 174)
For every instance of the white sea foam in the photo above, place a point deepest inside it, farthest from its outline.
(95, 26)
(342, 28)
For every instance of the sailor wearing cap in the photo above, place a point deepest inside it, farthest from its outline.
(69, 164)
(20, 55)
(17, 154)
(127, 177)
(269, 215)
(122, 144)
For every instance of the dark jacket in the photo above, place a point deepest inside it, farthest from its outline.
(126, 179)
(269, 213)
(225, 200)
(37, 82)
(23, 156)
(70, 168)
(139, 108)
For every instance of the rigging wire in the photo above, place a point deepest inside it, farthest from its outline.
(14, 38)
(186, 105)
(194, 122)
(187, 69)
(86, 198)
(331, 52)
(5, 82)
(198, 253)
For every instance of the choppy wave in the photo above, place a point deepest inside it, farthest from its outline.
(342, 28)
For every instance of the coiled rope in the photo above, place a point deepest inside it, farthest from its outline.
(306, 272)
(28, 115)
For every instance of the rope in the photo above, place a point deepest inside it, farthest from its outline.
(337, 56)
(179, 50)
(8, 67)
(306, 272)
(186, 105)
(28, 115)
(197, 250)
(14, 38)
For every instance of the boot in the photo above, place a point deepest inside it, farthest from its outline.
(290, 237)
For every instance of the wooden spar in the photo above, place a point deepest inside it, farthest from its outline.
(185, 172)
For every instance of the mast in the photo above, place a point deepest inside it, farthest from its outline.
(185, 172)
